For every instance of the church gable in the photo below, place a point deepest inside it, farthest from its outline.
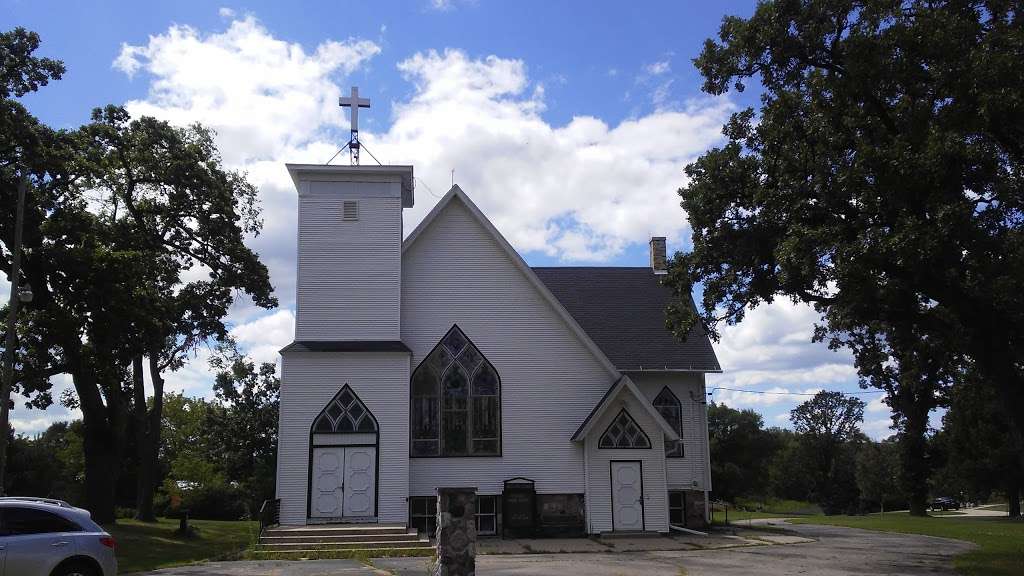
(457, 271)
(469, 236)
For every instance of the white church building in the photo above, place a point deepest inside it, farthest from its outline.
(441, 359)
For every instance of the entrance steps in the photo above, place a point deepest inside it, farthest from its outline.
(342, 540)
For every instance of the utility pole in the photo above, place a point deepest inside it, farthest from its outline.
(12, 319)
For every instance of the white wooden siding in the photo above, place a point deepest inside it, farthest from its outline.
(687, 472)
(456, 273)
(348, 271)
(599, 502)
(308, 382)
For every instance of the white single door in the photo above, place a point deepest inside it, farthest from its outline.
(360, 481)
(328, 470)
(627, 496)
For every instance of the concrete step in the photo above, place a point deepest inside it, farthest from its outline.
(347, 553)
(327, 539)
(337, 530)
(372, 544)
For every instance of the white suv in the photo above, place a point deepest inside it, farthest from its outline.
(44, 537)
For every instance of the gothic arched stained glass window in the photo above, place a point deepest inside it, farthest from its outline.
(455, 401)
(671, 410)
(624, 432)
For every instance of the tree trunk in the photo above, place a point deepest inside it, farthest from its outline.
(914, 401)
(102, 444)
(143, 446)
(148, 420)
(1013, 497)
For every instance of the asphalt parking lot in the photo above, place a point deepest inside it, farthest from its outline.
(835, 551)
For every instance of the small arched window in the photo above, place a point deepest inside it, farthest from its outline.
(344, 414)
(455, 405)
(624, 432)
(671, 410)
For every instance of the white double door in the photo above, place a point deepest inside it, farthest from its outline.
(627, 495)
(344, 482)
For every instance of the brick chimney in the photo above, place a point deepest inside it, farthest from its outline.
(659, 261)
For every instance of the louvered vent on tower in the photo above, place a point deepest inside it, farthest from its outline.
(350, 210)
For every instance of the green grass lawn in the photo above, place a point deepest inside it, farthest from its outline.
(752, 509)
(146, 546)
(737, 516)
(1001, 540)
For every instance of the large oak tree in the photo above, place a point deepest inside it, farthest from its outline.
(881, 179)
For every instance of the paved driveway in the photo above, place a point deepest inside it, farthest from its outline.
(836, 551)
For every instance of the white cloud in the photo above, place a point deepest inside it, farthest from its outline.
(264, 336)
(877, 405)
(580, 191)
(262, 95)
(771, 351)
(442, 5)
(658, 68)
(226, 12)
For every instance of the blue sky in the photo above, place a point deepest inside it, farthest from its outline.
(569, 123)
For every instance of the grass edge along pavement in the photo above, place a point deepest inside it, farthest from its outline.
(1000, 541)
(144, 546)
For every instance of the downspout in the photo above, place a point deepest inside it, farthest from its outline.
(586, 485)
(707, 456)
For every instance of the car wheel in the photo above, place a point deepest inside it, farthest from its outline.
(74, 569)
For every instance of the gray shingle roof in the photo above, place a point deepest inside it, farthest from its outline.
(346, 346)
(623, 312)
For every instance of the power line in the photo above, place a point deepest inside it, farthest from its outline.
(792, 393)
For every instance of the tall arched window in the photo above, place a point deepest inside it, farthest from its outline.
(455, 404)
(671, 410)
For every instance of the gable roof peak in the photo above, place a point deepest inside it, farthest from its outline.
(517, 260)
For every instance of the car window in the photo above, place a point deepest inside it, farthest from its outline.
(18, 521)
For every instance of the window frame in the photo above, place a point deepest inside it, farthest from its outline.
(430, 519)
(493, 514)
(672, 446)
(623, 411)
(681, 508)
(438, 398)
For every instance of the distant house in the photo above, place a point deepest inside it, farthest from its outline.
(443, 360)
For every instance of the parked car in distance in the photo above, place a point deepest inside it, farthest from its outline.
(945, 503)
(45, 537)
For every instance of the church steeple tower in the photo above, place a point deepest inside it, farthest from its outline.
(349, 268)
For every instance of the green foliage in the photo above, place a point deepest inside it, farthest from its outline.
(879, 180)
(829, 436)
(49, 464)
(120, 212)
(740, 451)
(185, 447)
(20, 71)
(979, 445)
(878, 475)
(243, 423)
(787, 473)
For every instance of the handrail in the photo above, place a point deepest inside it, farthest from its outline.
(270, 513)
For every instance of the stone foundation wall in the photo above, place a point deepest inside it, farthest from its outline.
(561, 515)
(456, 532)
(695, 510)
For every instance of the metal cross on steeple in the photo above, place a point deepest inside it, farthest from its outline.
(354, 102)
